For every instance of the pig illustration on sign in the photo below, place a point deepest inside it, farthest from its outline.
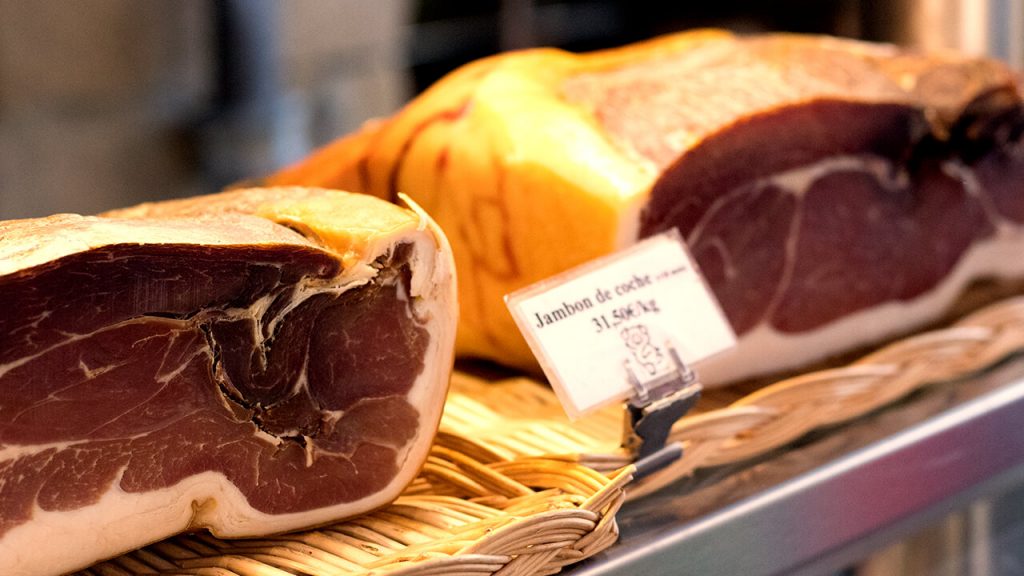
(638, 340)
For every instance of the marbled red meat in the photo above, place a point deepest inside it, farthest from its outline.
(289, 388)
(832, 192)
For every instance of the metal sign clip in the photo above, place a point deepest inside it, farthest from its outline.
(657, 405)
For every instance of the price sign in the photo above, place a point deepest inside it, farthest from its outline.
(603, 328)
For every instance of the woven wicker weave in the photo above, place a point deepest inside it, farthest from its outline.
(512, 487)
(726, 428)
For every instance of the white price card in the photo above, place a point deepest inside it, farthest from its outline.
(595, 326)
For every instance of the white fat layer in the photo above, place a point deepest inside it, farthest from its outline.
(798, 180)
(433, 289)
(765, 350)
(5, 368)
(432, 294)
(13, 451)
(59, 542)
(795, 181)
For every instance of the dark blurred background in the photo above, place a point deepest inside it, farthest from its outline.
(105, 103)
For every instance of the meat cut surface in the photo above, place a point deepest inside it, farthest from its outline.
(823, 181)
(831, 193)
(835, 193)
(247, 380)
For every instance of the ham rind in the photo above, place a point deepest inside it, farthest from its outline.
(835, 193)
(162, 371)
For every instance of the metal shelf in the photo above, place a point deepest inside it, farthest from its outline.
(817, 507)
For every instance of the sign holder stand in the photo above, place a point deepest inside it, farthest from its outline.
(619, 327)
(656, 406)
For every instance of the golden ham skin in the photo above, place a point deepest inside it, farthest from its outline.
(485, 153)
(536, 161)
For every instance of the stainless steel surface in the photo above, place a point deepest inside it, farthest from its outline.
(817, 507)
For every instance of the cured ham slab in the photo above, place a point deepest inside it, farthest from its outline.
(249, 363)
(834, 192)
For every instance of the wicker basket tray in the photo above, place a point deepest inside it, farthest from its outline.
(516, 417)
(512, 487)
